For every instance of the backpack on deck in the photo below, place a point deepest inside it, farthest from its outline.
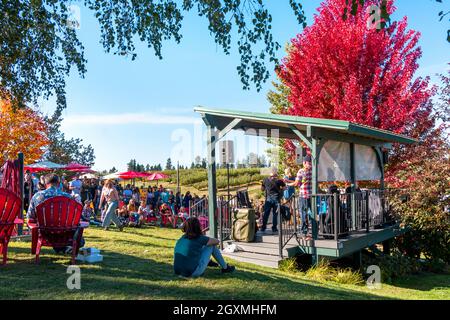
(243, 225)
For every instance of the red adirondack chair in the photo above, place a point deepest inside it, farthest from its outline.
(9, 212)
(57, 225)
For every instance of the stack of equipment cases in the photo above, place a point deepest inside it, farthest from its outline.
(243, 225)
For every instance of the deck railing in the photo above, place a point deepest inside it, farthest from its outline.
(225, 207)
(338, 215)
(288, 220)
(198, 208)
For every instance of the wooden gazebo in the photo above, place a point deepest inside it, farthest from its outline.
(340, 151)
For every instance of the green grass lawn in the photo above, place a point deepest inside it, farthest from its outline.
(138, 265)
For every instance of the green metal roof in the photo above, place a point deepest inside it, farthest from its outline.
(220, 118)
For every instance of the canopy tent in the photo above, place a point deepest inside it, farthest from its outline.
(43, 166)
(88, 176)
(83, 171)
(340, 150)
(111, 176)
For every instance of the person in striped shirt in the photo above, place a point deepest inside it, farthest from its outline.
(303, 182)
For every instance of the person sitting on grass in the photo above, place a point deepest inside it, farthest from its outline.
(166, 215)
(88, 214)
(193, 251)
(183, 213)
(134, 215)
(123, 214)
(151, 214)
(143, 211)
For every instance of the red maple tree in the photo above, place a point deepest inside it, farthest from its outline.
(347, 69)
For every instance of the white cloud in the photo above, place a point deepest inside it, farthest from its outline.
(128, 118)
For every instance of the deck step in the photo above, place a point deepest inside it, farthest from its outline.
(258, 247)
(264, 260)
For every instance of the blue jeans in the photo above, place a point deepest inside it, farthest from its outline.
(207, 251)
(305, 207)
(269, 205)
(111, 215)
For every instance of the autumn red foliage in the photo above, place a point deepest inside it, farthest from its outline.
(342, 69)
(21, 130)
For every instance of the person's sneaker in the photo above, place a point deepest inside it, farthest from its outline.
(229, 269)
(212, 264)
(274, 230)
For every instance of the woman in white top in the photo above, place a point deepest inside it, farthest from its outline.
(109, 193)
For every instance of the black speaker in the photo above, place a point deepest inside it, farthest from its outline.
(385, 157)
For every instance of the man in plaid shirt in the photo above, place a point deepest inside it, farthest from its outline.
(303, 181)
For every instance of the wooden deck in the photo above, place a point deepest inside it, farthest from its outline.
(265, 251)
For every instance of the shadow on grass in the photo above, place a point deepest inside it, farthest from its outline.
(124, 276)
(424, 281)
(132, 242)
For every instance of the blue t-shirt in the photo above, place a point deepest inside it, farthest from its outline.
(127, 193)
(165, 197)
(155, 196)
(187, 254)
(289, 191)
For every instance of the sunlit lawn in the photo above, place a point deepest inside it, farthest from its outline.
(138, 265)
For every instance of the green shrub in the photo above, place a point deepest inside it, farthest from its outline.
(324, 272)
(289, 265)
(428, 228)
(395, 266)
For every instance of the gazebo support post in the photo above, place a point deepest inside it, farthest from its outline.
(314, 189)
(212, 191)
(315, 146)
(353, 184)
(379, 154)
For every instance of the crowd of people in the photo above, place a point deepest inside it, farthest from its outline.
(128, 205)
(107, 201)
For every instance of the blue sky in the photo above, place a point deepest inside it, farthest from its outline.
(143, 109)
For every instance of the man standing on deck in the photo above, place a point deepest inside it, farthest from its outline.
(273, 188)
(303, 182)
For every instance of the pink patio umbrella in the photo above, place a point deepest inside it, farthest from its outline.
(76, 167)
(131, 175)
(157, 176)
